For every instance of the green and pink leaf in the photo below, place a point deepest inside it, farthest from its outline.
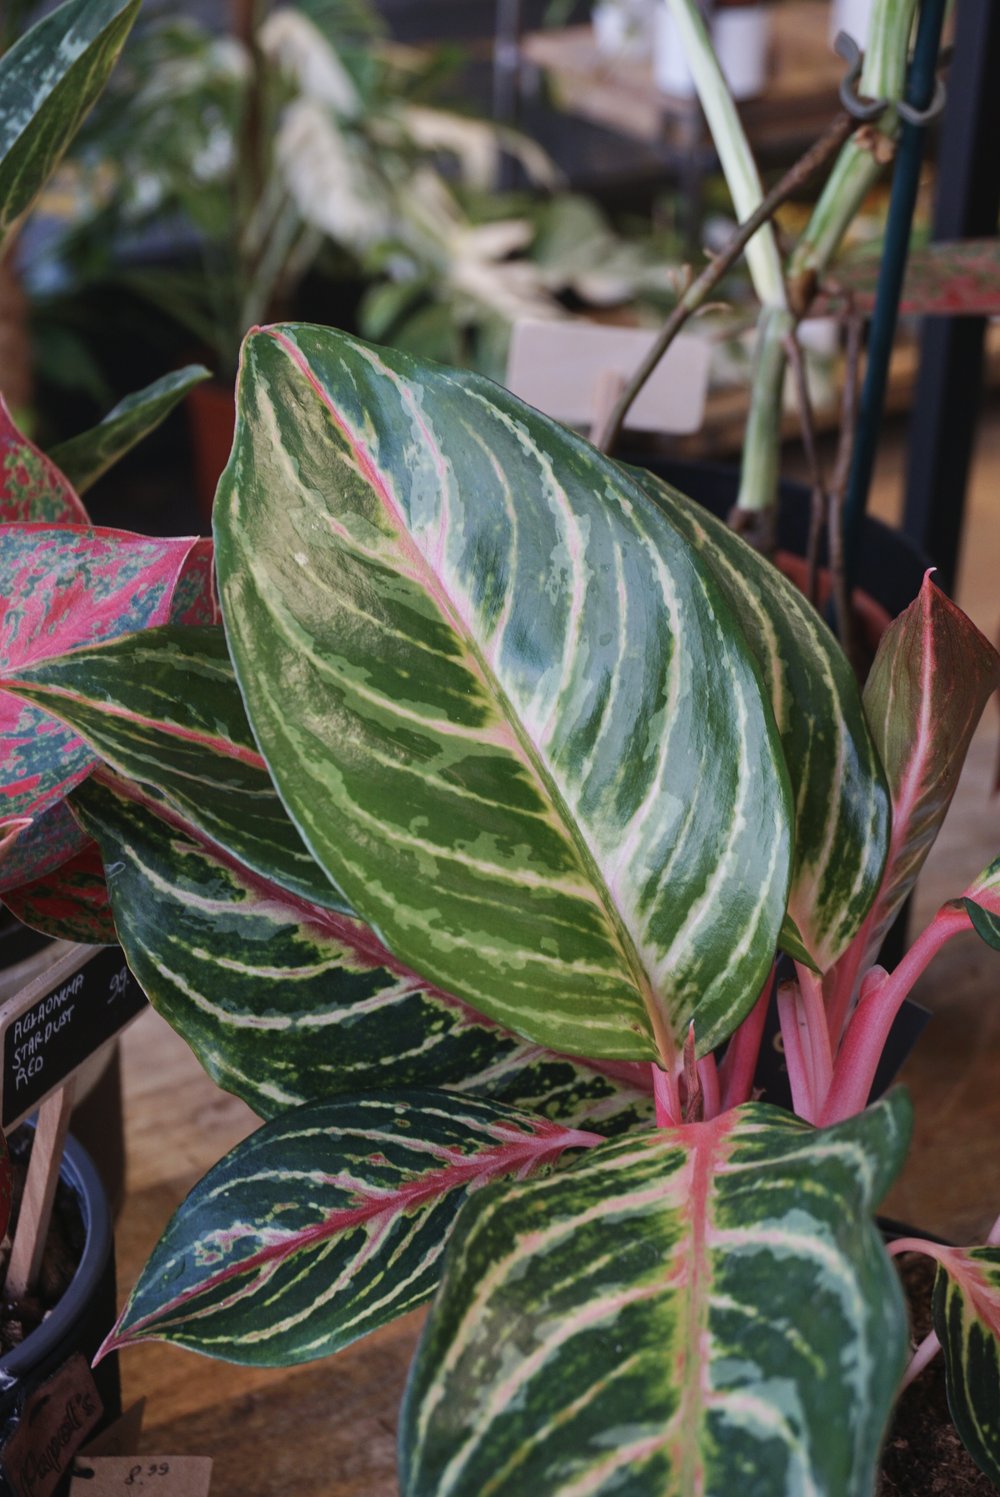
(283, 1001)
(840, 795)
(62, 587)
(32, 488)
(507, 707)
(932, 677)
(162, 707)
(327, 1223)
(706, 1309)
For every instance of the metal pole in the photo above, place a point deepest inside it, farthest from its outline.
(920, 94)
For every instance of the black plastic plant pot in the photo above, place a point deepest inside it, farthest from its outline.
(81, 1319)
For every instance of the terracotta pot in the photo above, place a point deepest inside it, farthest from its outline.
(211, 414)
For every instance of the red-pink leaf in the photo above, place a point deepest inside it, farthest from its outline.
(932, 677)
(31, 486)
(62, 587)
(944, 280)
(195, 598)
(70, 904)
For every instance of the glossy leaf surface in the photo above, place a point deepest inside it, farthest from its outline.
(282, 1001)
(932, 677)
(32, 488)
(840, 795)
(707, 1310)
(505, 703)
(62, 587)
(49, 79)
(327, 1223)
(86, 457)
(69, 904)
(163, 707)
(967, 1322)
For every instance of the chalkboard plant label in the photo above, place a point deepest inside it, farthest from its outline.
(58, 1021)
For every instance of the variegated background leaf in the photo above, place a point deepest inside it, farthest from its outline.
(61, 587)
(327, 1223)
(49, 79)
(839, 790)
(967, 1322)
(282, 1001)
(69, 904)
(163, 707)
(706, 1311)
(505, 703)
(32, 488)
(86, 457)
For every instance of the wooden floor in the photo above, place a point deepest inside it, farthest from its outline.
(330, 1429)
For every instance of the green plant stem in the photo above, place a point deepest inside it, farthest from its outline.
(762, 438)
(857, 168)
(729, 138)
(700, 289)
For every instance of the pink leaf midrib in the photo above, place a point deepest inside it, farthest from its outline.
(530, 1151)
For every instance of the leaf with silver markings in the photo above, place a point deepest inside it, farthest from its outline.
(327, 1223)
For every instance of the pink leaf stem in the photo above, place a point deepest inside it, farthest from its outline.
(811, 990)
(708, 1073)
(739, 1064)
(868, 1030)
(667, 1097)
(925, 1353)
(799, 1057)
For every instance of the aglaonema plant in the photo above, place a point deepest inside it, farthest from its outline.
(463, 850)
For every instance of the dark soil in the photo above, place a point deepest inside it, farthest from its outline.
(924, 1455)
(63, 1250)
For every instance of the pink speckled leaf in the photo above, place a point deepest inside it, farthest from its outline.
(195, 598)
(62, 587)
(942, 280)
(70, 904)
(31, 486)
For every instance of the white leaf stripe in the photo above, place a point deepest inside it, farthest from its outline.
(573, 1348)
(536, 585)
(841, 799)
(341, 1212)
(282, 1001)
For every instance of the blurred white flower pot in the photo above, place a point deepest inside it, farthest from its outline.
(741, 35)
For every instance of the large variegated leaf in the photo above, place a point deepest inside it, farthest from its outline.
(706, 1310)
(163, 707)
(31, 486)
(48, 81)
(327, 1223)
(839, 790)
(61, 587)
(932, 677)
(69, 904)
(283, 1001)
(967, 1322)
(85, 458)
(504, 701)
(982, 901)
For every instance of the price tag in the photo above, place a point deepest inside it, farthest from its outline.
(58, 1021)
(560, 367)
(152, 1476)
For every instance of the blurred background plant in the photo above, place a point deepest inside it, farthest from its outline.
(301, 162)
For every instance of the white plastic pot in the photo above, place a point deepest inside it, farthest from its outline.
(741, 35)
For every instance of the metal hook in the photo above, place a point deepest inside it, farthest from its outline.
(868, 109)
(914, 116)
